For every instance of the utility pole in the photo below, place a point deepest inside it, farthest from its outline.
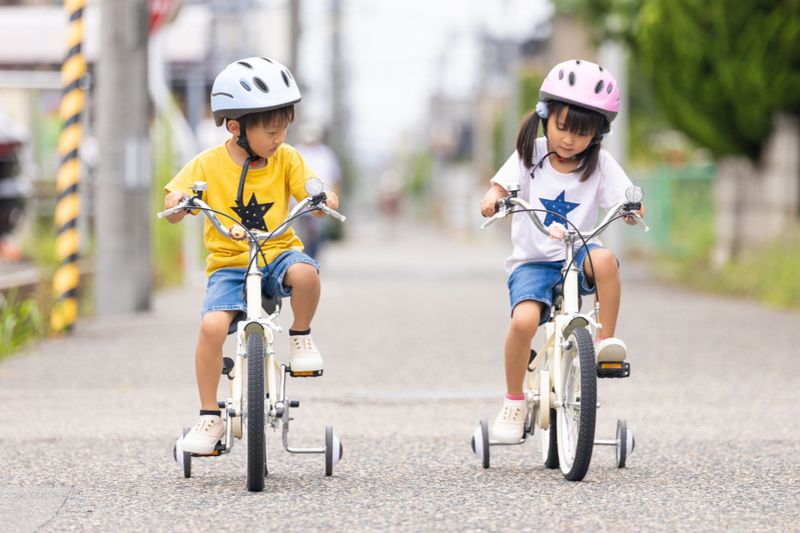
(123, 210)
(338, 130)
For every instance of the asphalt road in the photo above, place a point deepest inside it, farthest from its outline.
(412, 333)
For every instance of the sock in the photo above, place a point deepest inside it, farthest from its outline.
(292, 332)
(206, 412)
(600, 339)
(517, 397)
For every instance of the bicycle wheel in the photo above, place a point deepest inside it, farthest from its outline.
(578, 410)
(254, 422)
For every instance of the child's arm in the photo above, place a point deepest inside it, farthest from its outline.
(171, 201)
(490, 199)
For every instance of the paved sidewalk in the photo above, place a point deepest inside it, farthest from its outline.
(412, 333)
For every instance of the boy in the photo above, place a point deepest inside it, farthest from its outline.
(255, 99)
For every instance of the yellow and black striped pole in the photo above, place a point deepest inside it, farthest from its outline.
(65, 281)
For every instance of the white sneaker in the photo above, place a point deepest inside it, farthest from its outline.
(610, 349)
(303, 355)
(510, 423)
(205, 435)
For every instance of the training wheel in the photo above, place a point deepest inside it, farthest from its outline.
(480, 443)
(625, 443)
(184, 459)
(333, 450)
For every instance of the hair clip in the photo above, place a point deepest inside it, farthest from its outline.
(541, 110)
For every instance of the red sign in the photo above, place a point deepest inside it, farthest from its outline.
(162, 12)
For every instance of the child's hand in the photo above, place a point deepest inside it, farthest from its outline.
(631, 221)
(488, 203)
(331, 200)
(171, 201)
(557, 231)
(238, 233)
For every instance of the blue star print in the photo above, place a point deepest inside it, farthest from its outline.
(560, 206)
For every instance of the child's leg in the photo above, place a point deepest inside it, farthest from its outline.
(606, 274)
(304, 281)
(524, 323)
(208, 356)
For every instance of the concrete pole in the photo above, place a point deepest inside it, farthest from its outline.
(124, 177)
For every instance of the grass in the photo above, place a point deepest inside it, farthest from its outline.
(20, 323)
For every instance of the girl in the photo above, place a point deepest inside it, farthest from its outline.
(566, 172)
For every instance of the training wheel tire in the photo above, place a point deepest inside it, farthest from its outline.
(186, 459)
(333, 450)
(480, 443)
(624, 438)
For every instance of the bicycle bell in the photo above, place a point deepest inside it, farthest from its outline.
(634, 194)
(513, 188)
(313, 186)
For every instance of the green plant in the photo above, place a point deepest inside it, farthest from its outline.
(20, 323)
(720, 69)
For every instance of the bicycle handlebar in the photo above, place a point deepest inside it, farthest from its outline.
(310, 203)
(503, 210)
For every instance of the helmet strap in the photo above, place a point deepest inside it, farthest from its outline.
(242, 140)
(252, 159)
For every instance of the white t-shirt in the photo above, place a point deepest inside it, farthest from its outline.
(322, 159)
(562, 193)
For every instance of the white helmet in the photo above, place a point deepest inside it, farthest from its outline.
(252, 85)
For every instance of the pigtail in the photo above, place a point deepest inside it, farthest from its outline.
(526, 138)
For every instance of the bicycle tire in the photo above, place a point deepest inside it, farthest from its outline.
(578, 412)
(254, 424)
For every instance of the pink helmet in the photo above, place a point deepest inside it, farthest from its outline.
(582, 83)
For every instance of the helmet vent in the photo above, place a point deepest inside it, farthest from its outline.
(561, 74)
(610, 88)
(245, 64)
(577, 61)
(222, 94)
(285, 78)
(245, 85)
(268, 60)
(571, 79)
(260, 84)
(601, 68)
(598, 87)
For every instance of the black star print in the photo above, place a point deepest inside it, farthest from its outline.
(253, 214)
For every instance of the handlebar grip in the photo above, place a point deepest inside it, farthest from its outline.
(489, 222)
(327, 210)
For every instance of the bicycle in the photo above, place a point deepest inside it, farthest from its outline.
(257, 382)
(561, 378)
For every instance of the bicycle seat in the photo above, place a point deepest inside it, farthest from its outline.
(558, 296)
(268, 304)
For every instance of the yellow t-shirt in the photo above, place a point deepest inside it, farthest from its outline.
(265, 199)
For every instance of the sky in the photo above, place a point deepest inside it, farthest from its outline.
(397, 53)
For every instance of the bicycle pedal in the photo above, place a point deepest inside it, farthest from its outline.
(309, 374)
(612, 369)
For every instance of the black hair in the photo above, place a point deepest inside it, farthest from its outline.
(579, 120)
(281, 116)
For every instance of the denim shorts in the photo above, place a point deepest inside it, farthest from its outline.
(225, 290)
(535, 281)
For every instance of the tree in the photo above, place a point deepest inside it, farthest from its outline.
(720, 68)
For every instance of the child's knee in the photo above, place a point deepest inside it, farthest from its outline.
(525, 319)
(602, 262)
(301, 274)
(214, 327)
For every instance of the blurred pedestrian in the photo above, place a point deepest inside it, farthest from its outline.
(322, 159)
